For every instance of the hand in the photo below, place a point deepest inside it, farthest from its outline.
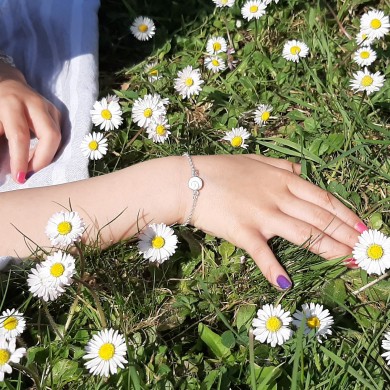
(22, 110)
(248, 199)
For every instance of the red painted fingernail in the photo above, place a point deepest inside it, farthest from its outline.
(21, 177)
(361, 227)
(351, 263)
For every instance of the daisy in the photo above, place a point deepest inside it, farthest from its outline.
(362, 38)
(106, 352)
(263, 113)
(158, 130)
(253, 9)
(64, 228)
(147, 109)
(372, 252)
(215, 63)
(157, 242)
(12, 324)
(364, 56)
(223, 3)
(375, 24)
(366, 81)
(272, 325)
(386, 347)
(315, 317)
(143, 28)
(112, 98)
(216, 45)
(152, 72)
(40, 286)
(58, 269)
(107, 114)
(237, 137)
(94, 146)
(188, 82)
(295, 50)
(9, 354)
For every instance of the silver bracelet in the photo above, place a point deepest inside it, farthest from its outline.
(6, 59)
(195, 184)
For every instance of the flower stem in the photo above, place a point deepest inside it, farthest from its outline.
(29, 372)
(51, 320)
(252, 360)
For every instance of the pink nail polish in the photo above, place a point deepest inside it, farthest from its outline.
(21, 177)
(350, 263)
(361, 227)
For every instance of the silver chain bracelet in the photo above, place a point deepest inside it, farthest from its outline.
(195, 183)
(6, 59)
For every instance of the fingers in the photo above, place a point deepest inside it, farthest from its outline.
(277, 163)
(258, 249)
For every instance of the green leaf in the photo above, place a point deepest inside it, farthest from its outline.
(228, 339)
(376, 221)
(226, 249)
(244, 316)
(65, 371)
(335, 292)
(214, 342)
(266, 377)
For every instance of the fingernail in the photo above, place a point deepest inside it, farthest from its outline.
(21, 177)
(29, 174)
(283, 282)
(351, 263)
(361, 227)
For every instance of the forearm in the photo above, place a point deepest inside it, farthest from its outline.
(113, 206)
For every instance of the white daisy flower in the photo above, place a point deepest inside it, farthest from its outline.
(295, 50)
(12, 324)
(372, 252)
(216, 45)
(263, 113)
(143, 28)
(375, 24)
(188, 82)
(253, 9)
(362, 38)
(64, 228)
(107, 114)
(106, 352)
(215, 64)
(59, 269)
(272, 325)
(152, 72)
(367, 81)
(40, 286)
(94, 146)
(147, 109)
(315, 317)
(223, 3)
(364, 56)
(9, 354)
(237, 137)
(266, 2)
(158, 130)
(112, 98)
(157, 242)
(386, 347)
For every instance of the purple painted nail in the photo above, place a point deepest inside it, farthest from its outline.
(283, 282)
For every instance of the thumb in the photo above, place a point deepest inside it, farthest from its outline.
(256, 245)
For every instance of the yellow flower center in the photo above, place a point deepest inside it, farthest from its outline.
(217, 46)
(4, 356)
(143, 28)
(106, 114)
(273, 324)
(158, 242)
(224, 1)
(57, 270)
(106, 351)
(295, 50)
(364, 36)
(160, 130)
(236, 141)
(64, 228)
(313, 322)
(364, 55)
(153, 72)
(265, 115)
(189, 82)
(375, 252)
(10, 323)
(375, 24)
(148, 113)
(367, 81)
(253, 9)
(215, 62)
(93, 145)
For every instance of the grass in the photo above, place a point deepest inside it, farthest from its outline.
(187, 322)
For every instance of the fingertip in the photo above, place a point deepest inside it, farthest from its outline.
(20, 177)
(283, 282)
(361, 227)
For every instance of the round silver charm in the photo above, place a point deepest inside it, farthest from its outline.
(195, 183)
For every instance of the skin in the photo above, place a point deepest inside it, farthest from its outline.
(246, 199)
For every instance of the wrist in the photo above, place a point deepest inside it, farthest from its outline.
(8, 72)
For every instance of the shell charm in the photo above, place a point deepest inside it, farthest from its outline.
(195, 183)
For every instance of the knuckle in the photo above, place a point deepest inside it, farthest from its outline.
(18, 136)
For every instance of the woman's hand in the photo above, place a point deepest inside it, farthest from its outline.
(248, 199)
(22, 110)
